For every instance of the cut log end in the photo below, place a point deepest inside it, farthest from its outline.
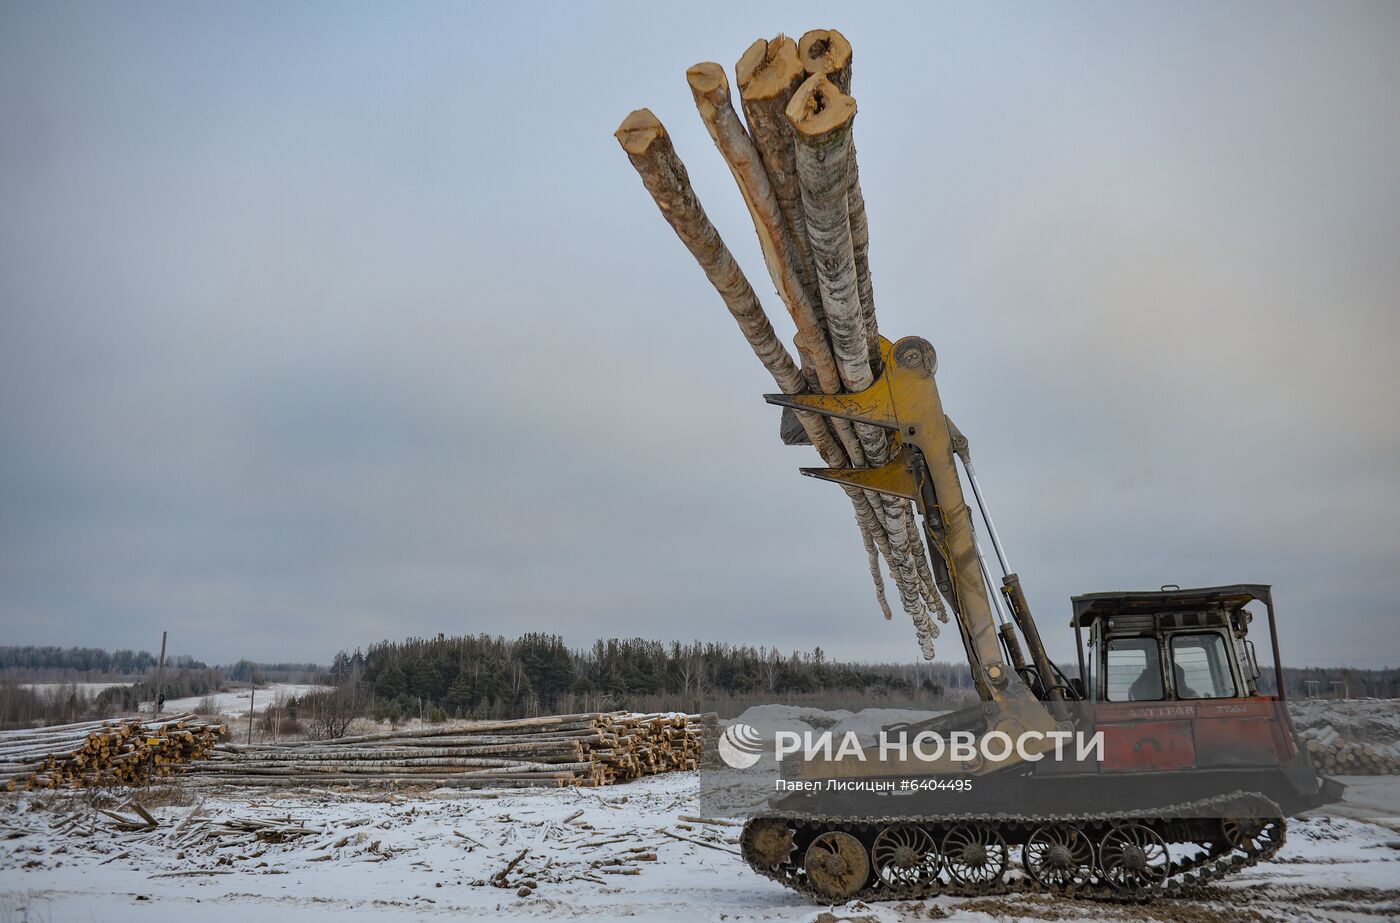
(819, 110)
(639, 131)
(769, 69)
(825, 52)
(710, 89)
(707, 78)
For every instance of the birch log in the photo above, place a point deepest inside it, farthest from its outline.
(860, 249)
(826, 52)
(649, 149)
(821, 117)
(768, 74)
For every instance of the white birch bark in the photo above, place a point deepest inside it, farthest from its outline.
(768, 74)
(826, 52)
(821, 118)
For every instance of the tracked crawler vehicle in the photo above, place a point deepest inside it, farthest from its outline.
(1197, 772)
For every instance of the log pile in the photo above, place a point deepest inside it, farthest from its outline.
(123, 751)
(793, 158)
(1335, 755)
(597, 748)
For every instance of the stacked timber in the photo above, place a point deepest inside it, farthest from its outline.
(793, 157)
(122, 751)
(1335, 755)
(596, 748)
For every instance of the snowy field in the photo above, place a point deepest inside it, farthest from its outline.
(620, 853)
(236, 703)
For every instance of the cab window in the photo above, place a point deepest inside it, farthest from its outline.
(1201, 667)
(1134, 670)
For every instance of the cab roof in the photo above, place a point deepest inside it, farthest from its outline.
(1093, 606)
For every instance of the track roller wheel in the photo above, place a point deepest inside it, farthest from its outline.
(837, 865)
(1134, 858)
(906, 858)
(1058, 856)
(1251, 834)
(975, 854)
(767, 842)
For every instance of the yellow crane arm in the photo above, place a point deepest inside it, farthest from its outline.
(905, 399)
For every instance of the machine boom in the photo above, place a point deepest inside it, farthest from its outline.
(905, 399)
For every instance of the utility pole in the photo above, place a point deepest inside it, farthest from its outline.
(160, 678)
(252, 694)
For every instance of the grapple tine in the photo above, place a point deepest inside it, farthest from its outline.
(874, 405)
(897, 477)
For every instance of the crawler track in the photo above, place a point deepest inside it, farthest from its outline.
(1135, 857)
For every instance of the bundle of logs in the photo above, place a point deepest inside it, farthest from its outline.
(597, 748)
(1335, 755)
(795, 165)
(123, 751)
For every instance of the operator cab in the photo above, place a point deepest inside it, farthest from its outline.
(1170, 645)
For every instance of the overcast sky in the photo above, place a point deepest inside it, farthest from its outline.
(325, 323)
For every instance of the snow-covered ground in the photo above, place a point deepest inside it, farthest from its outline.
(236, 702)
(434, 855)
(233, 703)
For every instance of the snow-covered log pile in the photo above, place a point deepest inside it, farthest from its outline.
(794, 160)
(1333, 754)
(120, 751)
(597, 748)
(1354, 737)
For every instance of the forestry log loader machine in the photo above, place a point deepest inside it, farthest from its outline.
(1198, 769)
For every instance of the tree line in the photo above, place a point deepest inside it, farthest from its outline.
(489, 675)
(492, 676)
(536, 673)
(83, 661)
